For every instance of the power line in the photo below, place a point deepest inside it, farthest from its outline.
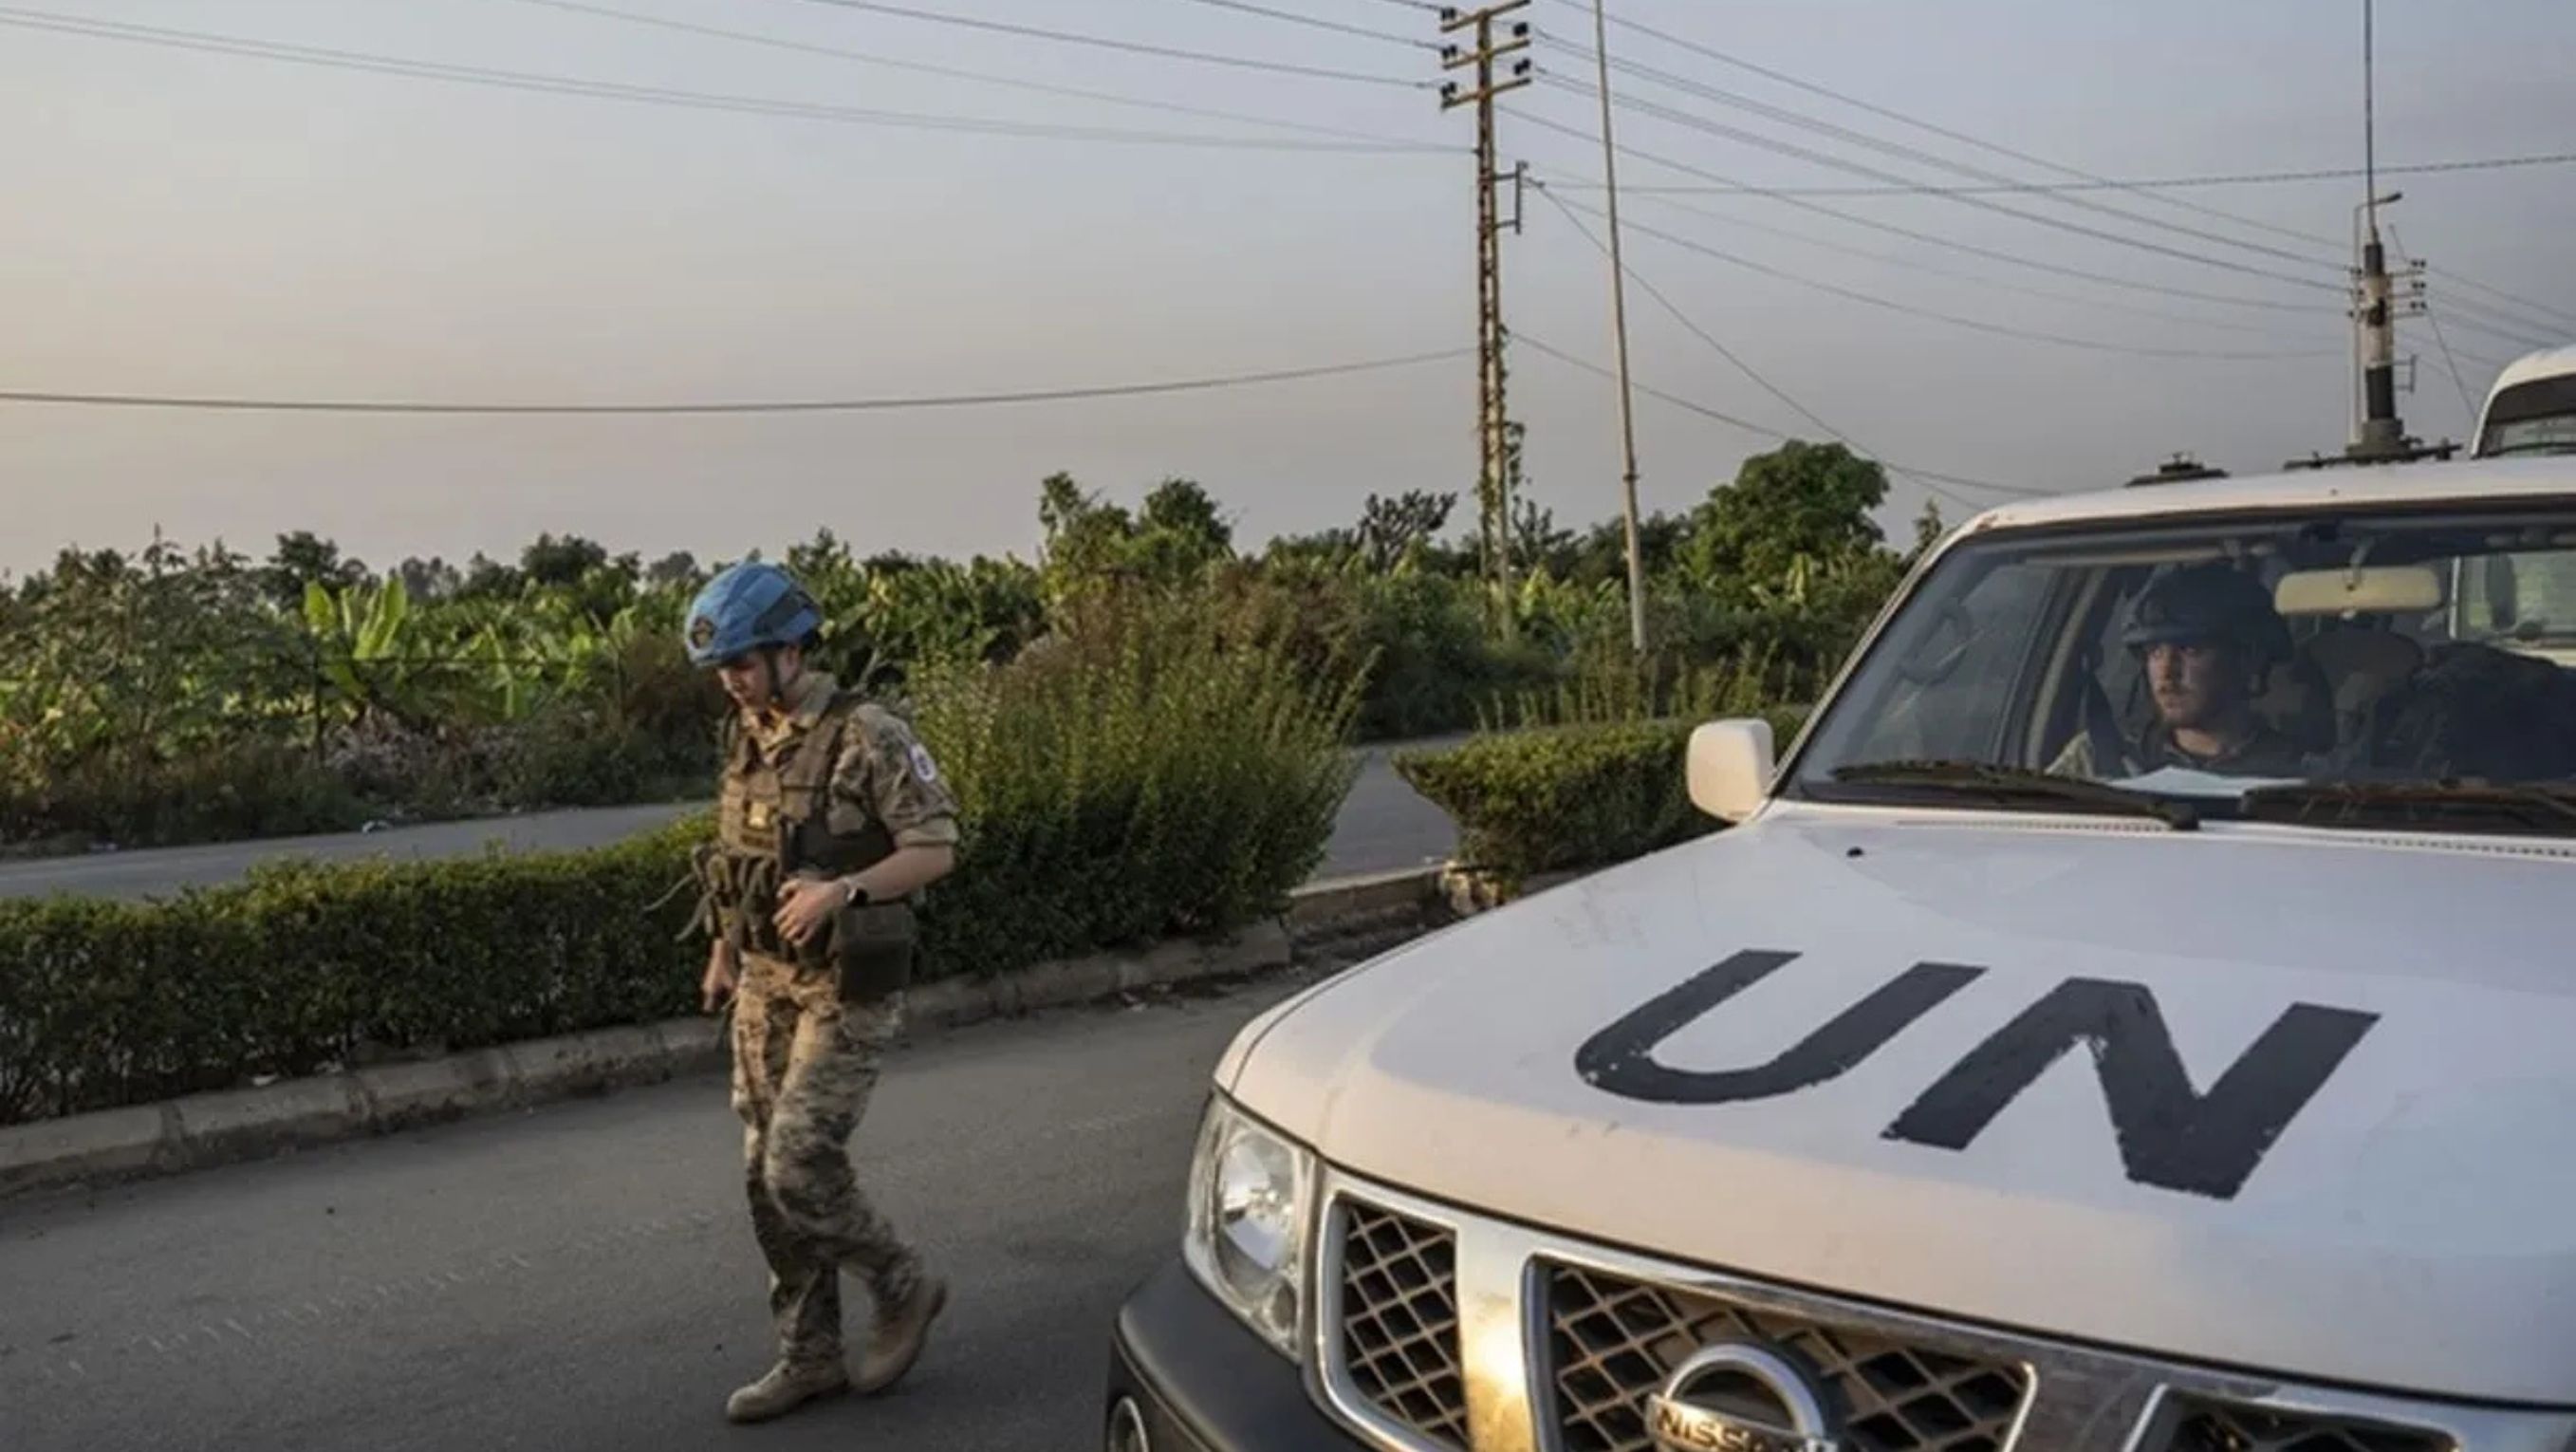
(2545, 309)
(1714, 128)
(2481, 359)
(776, 42)
(1917, 264)
(1670, 307)
(651, 95)
(2504, 323)
(2496, 324)
(2435, 319)
(2495, 333)
(2247, 178)
(1748, 370)
(1927, 238)
(1977, 324)
(2453, 364)
(1318, 22)
(2491, 365)
(1132, 47)
(1950, 134)
(1704, 411)
(850, 405)
(1922, 157)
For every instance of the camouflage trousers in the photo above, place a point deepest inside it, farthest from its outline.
(804, 1065)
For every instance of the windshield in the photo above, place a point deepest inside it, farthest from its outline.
(2400, 658)
(2537, 417)
(2554, 434)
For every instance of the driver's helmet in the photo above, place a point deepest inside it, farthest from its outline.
(2206, 604)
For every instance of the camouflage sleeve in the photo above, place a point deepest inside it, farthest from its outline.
(885, 769)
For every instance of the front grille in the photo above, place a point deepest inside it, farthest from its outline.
(1399, 1321)
(1613, 1341)
(2243, 1429)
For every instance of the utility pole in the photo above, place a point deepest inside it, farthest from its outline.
(1619, 331)
(2378, 435)
(2381, 434)
(1493, 420)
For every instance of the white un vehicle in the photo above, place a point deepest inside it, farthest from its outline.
(2138, 1013)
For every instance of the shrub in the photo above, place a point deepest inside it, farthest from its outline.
(1418, 636)
(1558, 798)
(1608, 683)
(1435, 668)
(251, 788)
(1116, 787)
(1134, 779)
(579, 756)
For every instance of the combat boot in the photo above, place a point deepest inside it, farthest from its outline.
(786, 1388)
(900, 1331)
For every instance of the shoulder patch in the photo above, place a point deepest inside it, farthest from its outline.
(922, 765)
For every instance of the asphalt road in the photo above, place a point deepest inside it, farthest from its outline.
(583, 1275)
(1383, 826)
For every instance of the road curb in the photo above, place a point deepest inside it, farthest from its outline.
(204, 1130)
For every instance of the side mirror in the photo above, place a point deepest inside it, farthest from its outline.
(1730, 767)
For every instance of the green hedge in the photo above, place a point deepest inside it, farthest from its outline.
(1557, 798)
(1117, 789)
(105, 1003)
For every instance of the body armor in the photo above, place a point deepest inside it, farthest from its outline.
(777, 820)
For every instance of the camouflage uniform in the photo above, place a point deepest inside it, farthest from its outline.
(808, 1033)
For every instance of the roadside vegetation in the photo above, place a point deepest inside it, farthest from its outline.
(183, 694)
(1146, 729)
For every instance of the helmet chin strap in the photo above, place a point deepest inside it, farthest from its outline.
(776, 694)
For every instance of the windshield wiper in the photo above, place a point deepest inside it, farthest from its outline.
(2012, 785)
(2536, 806)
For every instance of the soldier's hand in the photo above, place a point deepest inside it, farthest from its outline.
(718, 984)
(804, 906)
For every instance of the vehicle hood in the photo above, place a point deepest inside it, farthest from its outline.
(2378, 1193)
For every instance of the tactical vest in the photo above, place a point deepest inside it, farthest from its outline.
(778, 820)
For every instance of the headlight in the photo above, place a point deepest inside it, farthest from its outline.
(1249, 1193)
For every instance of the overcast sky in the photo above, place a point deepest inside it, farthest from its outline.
(217, 224)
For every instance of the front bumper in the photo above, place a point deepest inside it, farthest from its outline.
(1203, 1382)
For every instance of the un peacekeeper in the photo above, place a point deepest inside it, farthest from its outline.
(831, 816)
(2206, 636)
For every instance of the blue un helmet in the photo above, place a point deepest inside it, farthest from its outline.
(749, 607)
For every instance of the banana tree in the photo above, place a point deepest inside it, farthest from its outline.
(358, 638)
(514, 674)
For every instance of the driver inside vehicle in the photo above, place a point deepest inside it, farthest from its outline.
(2206, 636)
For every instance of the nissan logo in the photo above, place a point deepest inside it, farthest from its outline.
(1742, 1397)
